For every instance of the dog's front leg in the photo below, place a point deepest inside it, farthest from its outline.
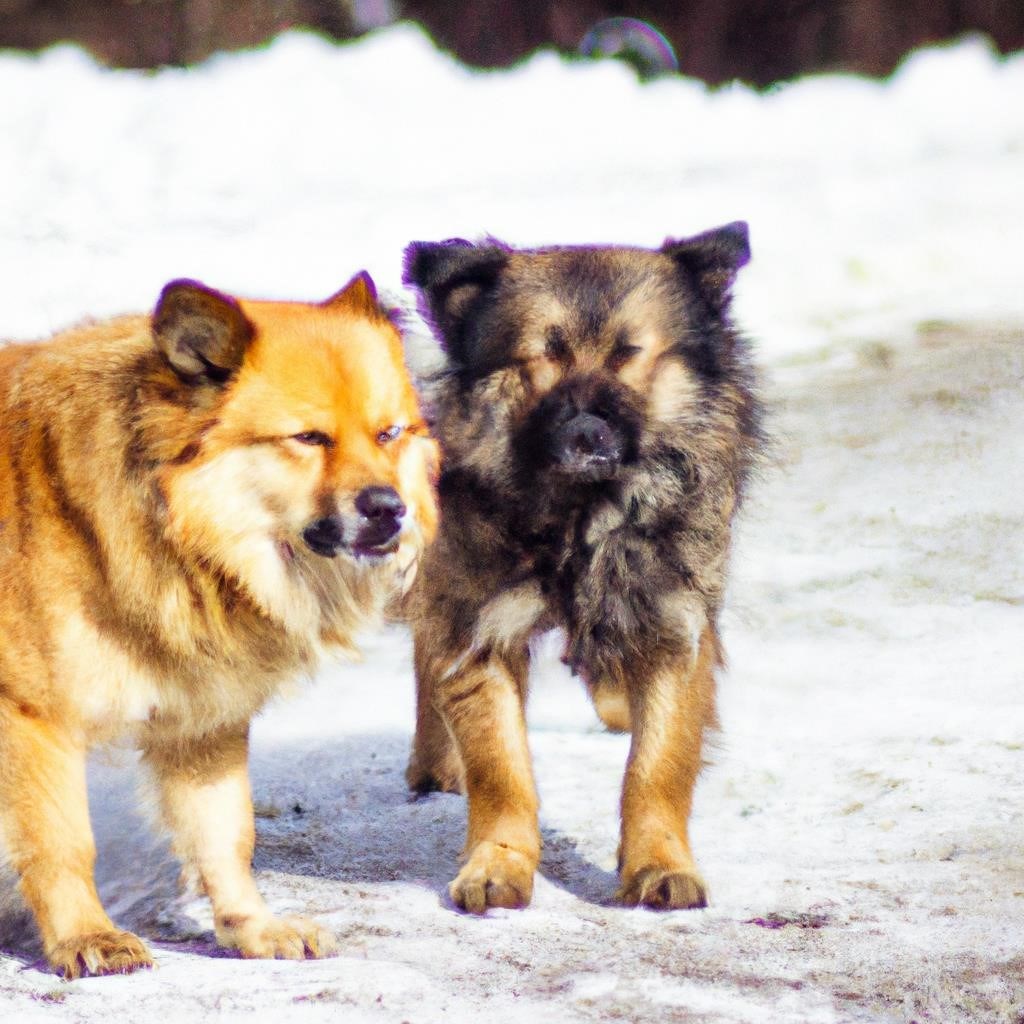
(670, 711)
(482, 704)
(44, 825)
(205, 799)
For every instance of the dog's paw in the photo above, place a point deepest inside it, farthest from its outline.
(663, 889)
(97, 953)
(272, 938)
(494, 876)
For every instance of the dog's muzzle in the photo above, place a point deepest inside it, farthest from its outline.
(380, 512)
(373, 533)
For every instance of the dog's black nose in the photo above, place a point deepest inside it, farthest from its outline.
(587, 435)
(587, 444)
(380, 503)
(382, 509)
(324, 536)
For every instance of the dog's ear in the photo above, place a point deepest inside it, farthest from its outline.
(358, 296)
(202, 333)
(712, 260)
(451, 277)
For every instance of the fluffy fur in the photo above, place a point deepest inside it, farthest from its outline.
(193, 508)
(598, 422)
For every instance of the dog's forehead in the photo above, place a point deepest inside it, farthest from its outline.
(588, 291)
(326, 365)
(577, 270)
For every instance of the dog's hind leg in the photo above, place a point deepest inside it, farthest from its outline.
(670, 712)
(434, 763)
(44, 816)
(205, 799)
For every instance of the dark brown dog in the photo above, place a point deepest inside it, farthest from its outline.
(597, 421)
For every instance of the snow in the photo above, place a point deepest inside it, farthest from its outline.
(861, 826)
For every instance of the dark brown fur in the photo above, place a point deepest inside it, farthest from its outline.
(555, 355)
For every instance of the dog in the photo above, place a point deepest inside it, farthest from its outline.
(194, 507)
(598, 422)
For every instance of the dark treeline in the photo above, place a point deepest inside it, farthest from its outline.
(758, 41)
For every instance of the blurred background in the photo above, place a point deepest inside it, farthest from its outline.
(867, 787)
(756, 41)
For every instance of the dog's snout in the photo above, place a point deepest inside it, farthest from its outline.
(587, 444)
(373, 531)
(325, 536)
(380, 503)
(381, 509)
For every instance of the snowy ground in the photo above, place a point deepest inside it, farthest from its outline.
(862, 826)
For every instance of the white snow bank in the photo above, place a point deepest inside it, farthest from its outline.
(282, 171)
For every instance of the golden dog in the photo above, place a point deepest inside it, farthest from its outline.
(193, 508)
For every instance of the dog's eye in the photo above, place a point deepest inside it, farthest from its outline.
(621, 355)
(555, 345)
(389, 435)
(314, 437)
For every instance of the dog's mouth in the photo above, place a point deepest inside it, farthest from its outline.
(378, 535)
(587, 468)
(320, 545)
(373, 552)
(368, 544)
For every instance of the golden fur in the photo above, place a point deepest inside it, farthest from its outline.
(158, 478)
